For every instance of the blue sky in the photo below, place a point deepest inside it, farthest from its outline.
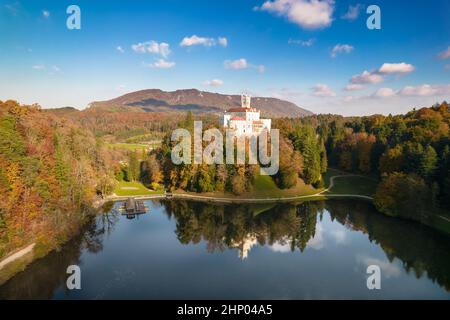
(279, 48)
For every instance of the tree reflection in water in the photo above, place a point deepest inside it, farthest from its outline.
(234, 225)
(421, 250)
(44, 276)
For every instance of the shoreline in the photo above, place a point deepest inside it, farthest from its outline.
(318, 196)
(18, 260)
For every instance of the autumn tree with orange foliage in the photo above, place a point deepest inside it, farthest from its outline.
(50, 172)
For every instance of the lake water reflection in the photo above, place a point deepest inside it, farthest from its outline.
(184, 249)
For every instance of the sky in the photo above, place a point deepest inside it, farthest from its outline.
(319, 54)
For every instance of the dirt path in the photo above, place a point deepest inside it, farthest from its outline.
(446, 219)
(16, 255)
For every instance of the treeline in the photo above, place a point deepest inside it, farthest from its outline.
(408, 153)
(50, 172)
(124, 126)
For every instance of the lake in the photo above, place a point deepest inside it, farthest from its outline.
(195, 250)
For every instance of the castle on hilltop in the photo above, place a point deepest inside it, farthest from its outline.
(245, 120)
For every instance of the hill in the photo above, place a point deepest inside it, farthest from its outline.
(155, 100)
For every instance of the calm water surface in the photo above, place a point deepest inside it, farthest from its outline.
(189, 250)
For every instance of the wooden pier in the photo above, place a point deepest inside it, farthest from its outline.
(133, 207)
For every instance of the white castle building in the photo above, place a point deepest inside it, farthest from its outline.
(245, 120)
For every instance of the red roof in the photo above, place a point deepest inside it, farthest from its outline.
(237, 118)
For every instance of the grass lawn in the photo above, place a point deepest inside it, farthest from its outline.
(357, 184)
(330, 173)
(354, 185)
(441, 224)
(265, 187)
(441, 221)
(125, 188)
(129, 146)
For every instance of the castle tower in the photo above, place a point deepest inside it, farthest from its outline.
(245, 101)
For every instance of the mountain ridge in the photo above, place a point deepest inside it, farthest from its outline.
(156, 100)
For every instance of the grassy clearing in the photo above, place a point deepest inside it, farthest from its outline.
(129, 146)
(125, 188)
(330, 173)
(440, 221)
(354, 185)
(440, 224)
(351, 184)
(265, 187)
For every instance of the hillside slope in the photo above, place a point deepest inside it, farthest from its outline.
(155, 100)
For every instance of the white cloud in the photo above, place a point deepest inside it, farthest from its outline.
(38, 67)
(56, 69)
(282, 248)
(303, 43)
(318, 242)
(341, 48)
(45, 13)
(354, 87)
(388, 269)
(349, 98)
(162, 49)
(367, 78)
(445, 54)
(223, 41)
(308, 14)
(399, 68)
(340, 236)
(289, 94)
(322, 90)
(352, 12)
(242, 64)
(376, 76)
(213, 83)
(384, 93)
(236, 64)
(422, 90)
(14, 8)
(195, 40)
(160, 64)
(120, 49)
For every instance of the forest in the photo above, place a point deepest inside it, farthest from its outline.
(50, 172)
(55, 165)
(408, 153)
